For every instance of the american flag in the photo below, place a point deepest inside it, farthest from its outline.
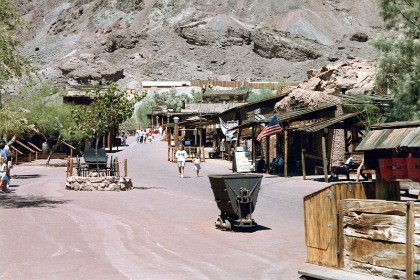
(272, 128)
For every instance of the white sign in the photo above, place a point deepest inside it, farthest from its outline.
(242, 163)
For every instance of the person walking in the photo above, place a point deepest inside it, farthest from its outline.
(181, 155)
(124, 139)
(197, 165)
(4, 174)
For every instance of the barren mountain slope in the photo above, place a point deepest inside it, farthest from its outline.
(81, 41)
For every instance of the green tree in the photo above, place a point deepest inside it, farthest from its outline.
(399, 64)
(12, 64)
(369, 111)
(169, 99)
(48, 116)
(109, 109)
(263, 94)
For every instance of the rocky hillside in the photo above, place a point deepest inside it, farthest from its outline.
(81, 41)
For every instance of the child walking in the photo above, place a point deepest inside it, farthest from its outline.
(197, 165)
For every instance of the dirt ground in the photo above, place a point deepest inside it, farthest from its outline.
(162, 229)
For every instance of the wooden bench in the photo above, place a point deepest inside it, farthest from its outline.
(359, 169)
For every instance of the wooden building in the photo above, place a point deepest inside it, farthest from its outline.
(225, 96)
(365, 227)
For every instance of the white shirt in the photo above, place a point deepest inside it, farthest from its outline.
(349, 160)
(181, 155)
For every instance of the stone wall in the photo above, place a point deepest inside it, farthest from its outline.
(108, 183)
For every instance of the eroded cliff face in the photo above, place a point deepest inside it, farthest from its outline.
(79, 41)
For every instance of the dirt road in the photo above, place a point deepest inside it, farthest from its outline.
(163, 229)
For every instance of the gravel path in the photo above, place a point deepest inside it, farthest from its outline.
(163, 229)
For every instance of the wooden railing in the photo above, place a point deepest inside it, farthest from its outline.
(30, 150)
(72, 148)
(37, 150)
(17, 153)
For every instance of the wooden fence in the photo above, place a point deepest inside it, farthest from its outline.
(321, 219)
(380, 238)
(237, 84)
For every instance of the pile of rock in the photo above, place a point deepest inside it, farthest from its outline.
(108, 183)
(324, 85)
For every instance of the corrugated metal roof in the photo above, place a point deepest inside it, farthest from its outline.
(327, 123)
(390, 139)
(299, 113)
(396, 125)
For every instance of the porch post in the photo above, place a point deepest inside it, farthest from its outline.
(286, 151)
(302, 149)
(324, 156)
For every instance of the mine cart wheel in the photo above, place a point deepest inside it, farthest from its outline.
(218, 223)
(227, 225)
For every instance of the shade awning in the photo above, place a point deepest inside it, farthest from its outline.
(390, 139)
(337, 122)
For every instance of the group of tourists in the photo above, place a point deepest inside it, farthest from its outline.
(5, 164)
(144, 136)
(181, 156)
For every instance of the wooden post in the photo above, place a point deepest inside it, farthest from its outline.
(67, 168)
(117, 166)
(303, 163)
(286, 151)
(340, 250)
(267, 154)
(254, 152)
(410, 241)
(202, 154)
(125, 168)
(324, 156)
(168, 136)
(71, 167)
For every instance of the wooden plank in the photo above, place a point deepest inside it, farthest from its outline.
(327, 273)
(375, 206)
(286, 151)
(376, 253)
(321, 228)
(340, 235)
(324, 157)
(410, 241)
(390, 228)
(375, 270)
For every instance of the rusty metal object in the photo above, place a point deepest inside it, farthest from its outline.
(236, 196)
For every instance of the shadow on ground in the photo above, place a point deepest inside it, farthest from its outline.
(28, 176)
(13, 201)
(145, 188)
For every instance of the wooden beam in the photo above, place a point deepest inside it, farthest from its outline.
(302, 149)
(267, 154)
(254, 152)
(410, 241)
(324, 156)
(25, 146)
(286, 151)
(34, 146)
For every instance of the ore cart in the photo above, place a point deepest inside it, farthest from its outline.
(236, 196)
